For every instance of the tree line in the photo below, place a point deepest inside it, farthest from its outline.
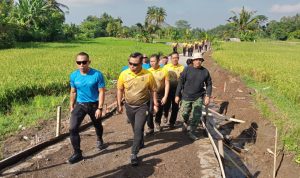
(247, 26)
(44, 20)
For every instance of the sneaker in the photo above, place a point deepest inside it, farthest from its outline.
(157, 127)
(165, 119)
(192, 136)
(149, 132)
(134, 160)
(76, 157)
(100, 145)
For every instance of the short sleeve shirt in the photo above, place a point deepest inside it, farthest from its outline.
(137, 87)
(87, 85)
(174, 73)
(159, 75)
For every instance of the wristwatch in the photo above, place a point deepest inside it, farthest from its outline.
(100, 109)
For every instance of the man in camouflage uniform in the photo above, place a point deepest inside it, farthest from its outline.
(191, 89)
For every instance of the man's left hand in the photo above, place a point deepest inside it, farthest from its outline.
(206, 100)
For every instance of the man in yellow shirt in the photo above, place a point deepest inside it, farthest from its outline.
(175, 46)
(137, 85)
(174, 69)
(163, 85)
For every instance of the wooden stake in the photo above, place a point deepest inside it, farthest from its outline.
(58, 121)
(275, 153)
(224, 87)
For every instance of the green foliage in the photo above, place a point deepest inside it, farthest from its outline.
(182, 24)
(295, 34)
(247, 24)
(7, 38)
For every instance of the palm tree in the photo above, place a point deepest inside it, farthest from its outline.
(58, 6)
(245, 21)
(155, 16)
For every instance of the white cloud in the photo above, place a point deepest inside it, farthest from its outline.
(285, 8)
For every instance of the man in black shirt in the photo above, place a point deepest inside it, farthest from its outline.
(191, 90)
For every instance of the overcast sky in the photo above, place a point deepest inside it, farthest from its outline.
(199, 13)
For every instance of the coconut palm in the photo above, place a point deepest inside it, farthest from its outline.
(245, 21)
(58, 6)
(155, 16)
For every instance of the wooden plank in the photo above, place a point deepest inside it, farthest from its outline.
(221, 116)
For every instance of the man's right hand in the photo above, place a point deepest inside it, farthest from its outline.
(177, 99)
(71, 108)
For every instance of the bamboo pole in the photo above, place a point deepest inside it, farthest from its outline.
(275, 153)
(215, 149)
(221, 116)
(58, 121)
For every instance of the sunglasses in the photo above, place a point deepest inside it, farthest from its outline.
(133, 64)
(81, 62)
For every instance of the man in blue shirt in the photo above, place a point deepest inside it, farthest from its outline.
(86, 97)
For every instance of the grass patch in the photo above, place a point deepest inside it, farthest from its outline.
(27, 114)
(272, 68)
(35, 76)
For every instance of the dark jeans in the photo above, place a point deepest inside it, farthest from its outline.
(184, 51)
(137, 115)
(171, 101)
(158, 115)
(77, 116)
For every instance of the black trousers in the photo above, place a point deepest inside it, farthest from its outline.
(175, 107)
(184, 51)
(174, 49)
(158, 115)
(137, 115)
(77, 116)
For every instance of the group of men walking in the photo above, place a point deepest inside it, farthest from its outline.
(146, 94)
(188, 48)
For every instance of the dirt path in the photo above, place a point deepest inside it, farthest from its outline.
(165, 154)
(170, 153)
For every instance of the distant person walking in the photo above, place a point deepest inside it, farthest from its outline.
(137, 85)
(184, 48)
(175, 46)
(174, 69)
(163, 85)
(86, 97)
(191, 90)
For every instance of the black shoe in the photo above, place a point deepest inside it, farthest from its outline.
(149, 132)
(142, 145)
(100, 145)
(171, 126)
(134, 160)
(76, 157)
